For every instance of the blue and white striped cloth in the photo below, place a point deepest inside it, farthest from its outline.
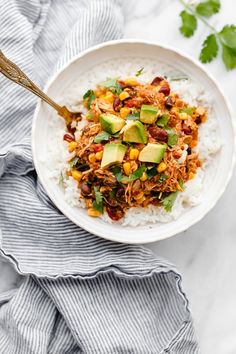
(81, 294)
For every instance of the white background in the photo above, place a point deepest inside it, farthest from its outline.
(206, 253)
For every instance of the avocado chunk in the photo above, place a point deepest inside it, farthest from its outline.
(113, 153)
(152, 153)
(111, 123)
(148, 114)
(135, 133)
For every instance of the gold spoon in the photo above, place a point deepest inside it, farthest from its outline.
(14, 73)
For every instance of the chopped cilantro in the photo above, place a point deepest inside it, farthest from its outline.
(90, 95)
(113, 85)
(139, 72)
(172, 137)
(73, 162)
(103, 136)
(98, 202)
(135, 175)
(151, 172)
(169, 200)
(162, 177)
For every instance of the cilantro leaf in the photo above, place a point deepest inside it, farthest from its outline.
(172, 137)
(117, 173)
(74, 161)
(163, 120)
(162, 177)
(151, 172)
(91, 97)
(189, 24)
(209, 49)
(139, 72)
(98, 202)
(133, 116)
(169, 200)
(228, 36)
(103, 136)
(135, 175)
(229, 57)
(61, 179)
(208, 8)
(113, 85)
(188, 110)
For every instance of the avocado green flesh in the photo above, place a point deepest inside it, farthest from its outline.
(113, 153)
(135, 133)
(148, 114)
(111, 123)
(152, 153)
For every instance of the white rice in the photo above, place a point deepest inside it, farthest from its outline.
(209, 137)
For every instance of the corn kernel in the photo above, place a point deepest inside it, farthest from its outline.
(123, 95)
(131, 81)
(144, 177)
(109, 97)
(77, 175)
(68, 173)
(127, 168)
(72, 146)
(92, 157)
(98, 155)
(99, 92)
(93, 212)
(161, 167)
(124, 111)
(183, 116)
(141, 200)
(191, 175)
(139, 196)
(133, 154)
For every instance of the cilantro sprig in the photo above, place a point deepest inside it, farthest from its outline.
(135, 175)
(98, 202)
(113, 85)
(223, 41)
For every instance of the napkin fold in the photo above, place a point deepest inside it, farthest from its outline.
(81, 294)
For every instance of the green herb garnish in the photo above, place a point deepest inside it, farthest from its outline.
(61, 179)
(91, 97)
(73, 162)
(113, 85)
(139, 72)
(188, 110)
(103, 136)
(163, 120)
(162, 177)
(172, 137)
(151, 172)
(169, 200)
(98, 202)
(216, 40)
(135, 175)
(133, 116)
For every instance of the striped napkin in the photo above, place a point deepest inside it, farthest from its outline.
(81, 294)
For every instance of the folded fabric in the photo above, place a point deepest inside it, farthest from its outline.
(81, 294)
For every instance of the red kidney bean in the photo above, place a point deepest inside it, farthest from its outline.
(198, 120)
(115, 213)
(158, 133)
(85, 188)
(156, 81)
(68, 137)
(189, 150)
(186, 129)
(116, 104)
(165, 89)
(170, 101)
(97, 147)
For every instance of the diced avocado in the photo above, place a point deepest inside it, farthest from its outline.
(111, 123)
(148, 114)
(152, 153)
(113, 153)
(135, 133)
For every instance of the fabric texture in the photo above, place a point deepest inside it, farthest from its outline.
(81, 294)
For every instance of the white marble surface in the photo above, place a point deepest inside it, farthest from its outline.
(205, 254)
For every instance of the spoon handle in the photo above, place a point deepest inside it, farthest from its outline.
(14, 73)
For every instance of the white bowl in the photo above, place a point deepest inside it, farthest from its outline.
(134, 48)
